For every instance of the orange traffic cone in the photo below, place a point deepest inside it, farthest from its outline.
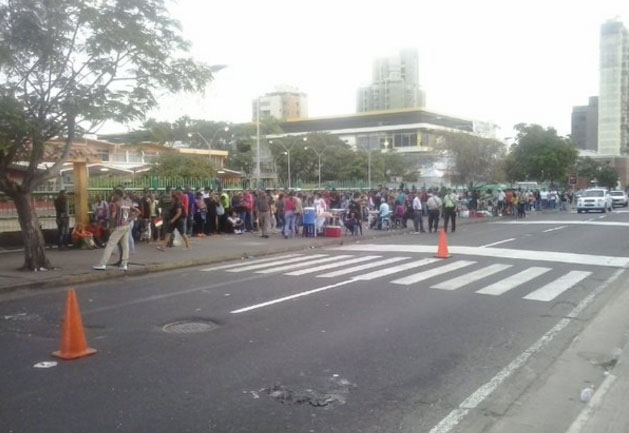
(442, 252)
(73, 342)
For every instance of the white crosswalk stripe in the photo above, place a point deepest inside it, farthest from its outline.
(355, 269)
(463, 280)
(395, 269)
(302, 264)
(552, 290)
(246, 268)
(332, 265)
(421, 276)
(234, 265)
(370, 267)
(513, 281)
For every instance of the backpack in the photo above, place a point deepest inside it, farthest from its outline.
(220, 210)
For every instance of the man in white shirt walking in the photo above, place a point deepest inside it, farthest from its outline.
(418, 220)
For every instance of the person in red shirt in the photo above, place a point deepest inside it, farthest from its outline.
(290, 205)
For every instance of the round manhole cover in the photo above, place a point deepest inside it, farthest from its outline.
(189, 327)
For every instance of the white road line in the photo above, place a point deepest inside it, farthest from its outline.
(513, 281)
(464, 280)
(233, 265)
(333, 265)
(447, 424)
(602, 216)
(588, 222)
(497, 243)
(554, 229)
(395, 269)
(302, 264)
(551, 290)
(421, 276)
(363, 267)
(288, 298)
(500, 253)
(274, 263)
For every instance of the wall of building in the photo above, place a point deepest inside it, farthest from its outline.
(613, 115)
(395, 84)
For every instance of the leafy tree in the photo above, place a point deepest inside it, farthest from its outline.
(67, 66)
(607, 177)
(167, 133)
(540, 154)
(587, 167)
(471, 159)
(184, 165)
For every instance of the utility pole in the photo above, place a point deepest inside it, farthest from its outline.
(258, 142)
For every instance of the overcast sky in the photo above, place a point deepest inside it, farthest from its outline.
(507, 61)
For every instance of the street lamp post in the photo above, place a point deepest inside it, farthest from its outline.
(258, 175)
(287, 153)
(368, 149)
(319, 154)
(208, 143)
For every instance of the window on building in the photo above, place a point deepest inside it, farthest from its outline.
(103, 154)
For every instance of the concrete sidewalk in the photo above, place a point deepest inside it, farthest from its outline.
(75, 266)
(599, 358)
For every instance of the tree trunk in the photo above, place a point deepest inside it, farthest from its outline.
(34, 253)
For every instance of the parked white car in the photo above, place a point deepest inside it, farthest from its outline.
(595, 199)
(620, 198)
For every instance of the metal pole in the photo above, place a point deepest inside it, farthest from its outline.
(258, 142)
(319, 155)
(369, 164)
(288, 154)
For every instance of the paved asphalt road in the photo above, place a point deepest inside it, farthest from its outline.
(392, 341)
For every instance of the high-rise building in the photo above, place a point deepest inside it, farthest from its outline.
(613, 105)
(395, 84)
(283, 103)
(585, 125)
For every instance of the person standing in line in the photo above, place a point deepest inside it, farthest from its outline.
(164, 204)
(122, 212)
(200, 215)
(418, 219)
(185, 206)
(289, 215)
(211, 226)
(299, 212)
(145, 223)
(263, 209)
(449, 210)
(62, 219)
(191, 211)
(176, 221)
(434, 206)
(223, 210)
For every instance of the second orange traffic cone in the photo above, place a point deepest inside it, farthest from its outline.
(442, 252)
(73, 342)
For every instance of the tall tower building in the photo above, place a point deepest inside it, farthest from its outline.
(613, 114)
(395, 84)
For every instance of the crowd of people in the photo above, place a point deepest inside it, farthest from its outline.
(128, 217)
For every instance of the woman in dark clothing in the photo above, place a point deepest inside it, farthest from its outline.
(210, 221)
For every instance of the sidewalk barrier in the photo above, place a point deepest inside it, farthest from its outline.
(73, 342)
(442, 252)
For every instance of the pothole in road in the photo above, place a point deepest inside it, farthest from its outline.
(334, 395)
(189, 327)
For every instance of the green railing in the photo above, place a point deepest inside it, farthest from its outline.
(159, 183)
